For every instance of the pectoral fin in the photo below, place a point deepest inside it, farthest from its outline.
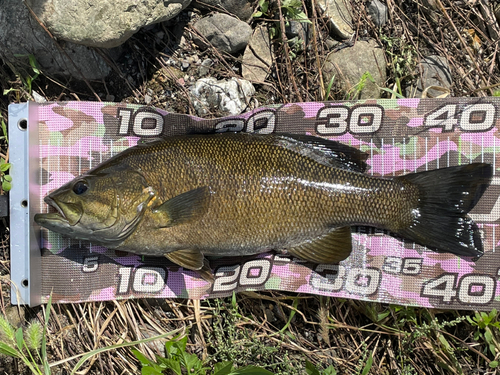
(183, 208)
(329, 249)
(192, 260)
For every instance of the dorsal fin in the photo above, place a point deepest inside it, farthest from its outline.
(324, 151)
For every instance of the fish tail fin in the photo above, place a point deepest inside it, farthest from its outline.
(446, 196)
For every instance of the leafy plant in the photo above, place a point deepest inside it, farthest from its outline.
(291, 10)
(313, 370)
(177, 359)
(402, 60)
(5, 179)
(489, 331)
(28, 345)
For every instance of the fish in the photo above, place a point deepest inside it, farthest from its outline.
(237, 194)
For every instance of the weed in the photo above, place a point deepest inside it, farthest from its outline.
(313, 370)
(291, 10)
(5, 179)
(29, 77)
(402, 61)
(232, 342)
(329, 88)
(177, 359)
(488, 329)
(355, 91)
(28, 345)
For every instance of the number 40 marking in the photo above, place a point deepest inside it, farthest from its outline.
(474, 118)
(471, 289)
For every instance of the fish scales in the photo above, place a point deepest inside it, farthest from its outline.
(243, 194)
(263, 195)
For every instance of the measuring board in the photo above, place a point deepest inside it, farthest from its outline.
(51, 143)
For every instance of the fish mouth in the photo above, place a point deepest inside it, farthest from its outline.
(68, 214)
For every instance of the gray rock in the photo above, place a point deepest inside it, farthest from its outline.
(432, 71)
(204, 68)
(102, 23)
(21, 35)
(297, 29)
(226, 33)
(243, 9)
(340, 22)
(227, 96)
(348, 65)
(378, 12)
(258, 57)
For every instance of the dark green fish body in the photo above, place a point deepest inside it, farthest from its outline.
(242, 194)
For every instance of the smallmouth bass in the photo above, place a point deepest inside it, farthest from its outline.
(236, 194)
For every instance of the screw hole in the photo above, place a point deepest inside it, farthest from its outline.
(25, 283)
(24, 203)
(23, 124)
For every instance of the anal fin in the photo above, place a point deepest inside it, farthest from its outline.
(193, 260)
(328, 249)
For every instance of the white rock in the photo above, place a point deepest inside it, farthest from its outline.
(227, 96)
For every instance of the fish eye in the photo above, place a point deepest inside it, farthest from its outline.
(80, 187)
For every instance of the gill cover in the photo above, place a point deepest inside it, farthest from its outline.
(104, 207)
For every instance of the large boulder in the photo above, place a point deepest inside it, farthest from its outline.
(21, 36)
(225, 33)
(102, 23)
(349, 66)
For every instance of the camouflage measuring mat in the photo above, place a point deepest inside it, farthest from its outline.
(401, 136)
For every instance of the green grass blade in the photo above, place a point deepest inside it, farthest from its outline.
(8, 350)
(43, 349)
(368, 365)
